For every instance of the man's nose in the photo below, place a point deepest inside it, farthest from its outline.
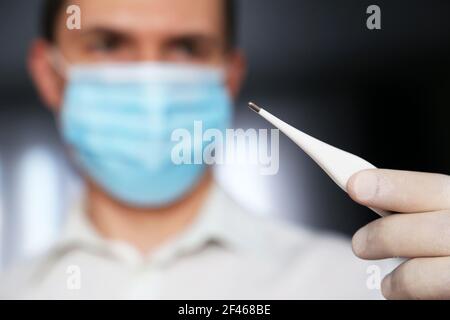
(148, 52)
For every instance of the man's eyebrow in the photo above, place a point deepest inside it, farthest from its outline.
(104, 30)
(174, 37)
(191, 35)
(195, 37)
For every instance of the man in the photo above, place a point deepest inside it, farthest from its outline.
(147, 229)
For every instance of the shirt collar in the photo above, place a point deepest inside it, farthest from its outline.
(219, 222)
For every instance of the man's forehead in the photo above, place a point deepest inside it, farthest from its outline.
(153, 15)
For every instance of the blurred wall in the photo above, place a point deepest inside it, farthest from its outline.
(380, 94)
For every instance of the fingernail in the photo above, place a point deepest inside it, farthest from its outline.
(359, 242)
(365, 185)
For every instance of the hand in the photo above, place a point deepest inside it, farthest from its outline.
(420, 231)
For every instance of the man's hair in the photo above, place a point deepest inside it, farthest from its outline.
(52, 9)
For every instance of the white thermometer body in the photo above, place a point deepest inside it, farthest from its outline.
(338, 164)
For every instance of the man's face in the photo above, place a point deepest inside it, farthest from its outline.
(190, 31)
(176, 31)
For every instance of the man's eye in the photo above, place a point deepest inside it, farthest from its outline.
(106, 44)
(186, 48)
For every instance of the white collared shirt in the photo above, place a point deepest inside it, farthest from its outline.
(226, 254)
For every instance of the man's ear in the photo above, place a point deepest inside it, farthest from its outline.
(49, 84)
(237, 70)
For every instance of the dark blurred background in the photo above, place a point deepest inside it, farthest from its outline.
(380, 94)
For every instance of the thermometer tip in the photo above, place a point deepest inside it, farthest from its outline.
(254, 107)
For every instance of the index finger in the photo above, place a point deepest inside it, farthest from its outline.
(400, 191)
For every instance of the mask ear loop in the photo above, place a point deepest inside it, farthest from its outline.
(58, 62)
(60, 65)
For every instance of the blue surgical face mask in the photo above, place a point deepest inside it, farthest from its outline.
(118, 120)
